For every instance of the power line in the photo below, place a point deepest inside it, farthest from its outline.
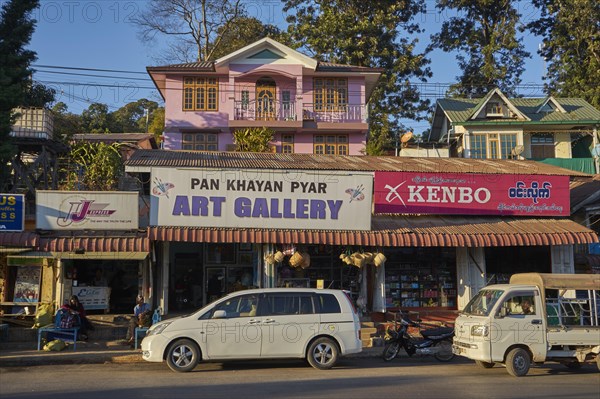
(94, 76)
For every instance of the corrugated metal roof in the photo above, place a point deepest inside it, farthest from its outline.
(332, 67)
(459, 110)
(409, 231)
(119, 137)
(200, 66)
(584, 191)
(248, 160)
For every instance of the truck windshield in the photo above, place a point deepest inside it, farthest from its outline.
(483, 303)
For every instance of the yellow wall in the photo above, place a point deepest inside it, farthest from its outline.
(563, 145)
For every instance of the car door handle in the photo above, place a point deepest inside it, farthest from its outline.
(536, 321)
(268, 321)
(253, 321)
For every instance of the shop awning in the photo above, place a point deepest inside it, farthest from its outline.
(404, 231)
(18, 240)
(81, 245)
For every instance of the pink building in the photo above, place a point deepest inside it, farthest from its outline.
(313, 107)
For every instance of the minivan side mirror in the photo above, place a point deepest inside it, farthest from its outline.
(219, 314)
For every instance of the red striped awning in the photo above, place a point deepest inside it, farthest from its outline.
(404, 231)
(95, 244)
(18, 239)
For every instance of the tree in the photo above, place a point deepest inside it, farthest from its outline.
(94, 167)
(38, 96)
(484, 35)
(16, 28)
(371, 34)
(131, 117)
(157, 122)
(571, 33)
(65, 123)
(97, 119)
(253, 139)
(192, 24)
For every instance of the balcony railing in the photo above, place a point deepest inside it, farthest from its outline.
(33, 123)
(265, 111)
(334, 113)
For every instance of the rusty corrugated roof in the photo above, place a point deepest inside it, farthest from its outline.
(251, 160)
(409, 231)
(584, 191)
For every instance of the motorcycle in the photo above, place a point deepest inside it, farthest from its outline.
(436, 341)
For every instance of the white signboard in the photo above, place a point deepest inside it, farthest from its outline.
(275, 199)
(94, 210)
(93, 298)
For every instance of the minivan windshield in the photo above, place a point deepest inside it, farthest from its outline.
(483, 303)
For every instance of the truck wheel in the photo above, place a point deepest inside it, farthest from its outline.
(391, 350)
(518, 362)
(322, 354)
(183, 355)
(485, 365)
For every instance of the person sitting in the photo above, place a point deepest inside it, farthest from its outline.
(142, 317)
(526, 307)
(75, 306)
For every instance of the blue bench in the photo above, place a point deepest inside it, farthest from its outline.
(57, 332)
(141, 331)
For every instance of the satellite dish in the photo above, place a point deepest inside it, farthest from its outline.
(518, 150)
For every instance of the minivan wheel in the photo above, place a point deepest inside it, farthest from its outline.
(322, 354)
(183, 355)
(518, 362)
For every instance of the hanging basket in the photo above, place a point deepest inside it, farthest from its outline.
(379, 259)
(305, 260)
(296, 260)
(368, 256)
(278, 256)
(358, 260)
(270, 259)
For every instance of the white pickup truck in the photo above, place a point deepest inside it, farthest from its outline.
(535, 318)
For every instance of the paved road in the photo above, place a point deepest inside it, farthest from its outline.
(354, 378)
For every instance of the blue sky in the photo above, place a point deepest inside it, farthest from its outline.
(99, 34)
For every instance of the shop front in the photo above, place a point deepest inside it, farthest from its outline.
(449, 234)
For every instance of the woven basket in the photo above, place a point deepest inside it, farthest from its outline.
(305, 260)
(358, 260)
(296, 260)
(379, 259)
(278, 256)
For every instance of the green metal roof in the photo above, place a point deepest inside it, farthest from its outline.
(459, 110)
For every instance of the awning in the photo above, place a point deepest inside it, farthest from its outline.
(82, 245)
(18, 239)
(404, 231)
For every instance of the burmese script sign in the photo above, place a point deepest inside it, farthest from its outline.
(286, 199)
(471, 194)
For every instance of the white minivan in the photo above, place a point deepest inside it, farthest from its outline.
(317, 324)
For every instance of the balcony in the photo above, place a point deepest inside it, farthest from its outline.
(36, 123)
(344, 116)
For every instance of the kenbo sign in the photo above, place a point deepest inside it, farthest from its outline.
(471, 194)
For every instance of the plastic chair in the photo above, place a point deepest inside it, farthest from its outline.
(141, 331)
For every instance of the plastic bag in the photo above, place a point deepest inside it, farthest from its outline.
(55, 346)
(44, 315)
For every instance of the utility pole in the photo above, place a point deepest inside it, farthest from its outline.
(147, 116)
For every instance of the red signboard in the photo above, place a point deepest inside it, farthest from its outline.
(471, 194)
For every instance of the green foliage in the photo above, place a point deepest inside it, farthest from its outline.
(93, 166)
(38, 96)
(131, 118)
(484, 35)
(253, 139)
(245, 31)
(157, 122)
(65, 123)
(571, 48)
(16, 28)
(373, 34)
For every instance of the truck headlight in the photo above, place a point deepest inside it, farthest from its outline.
(158, 328)
(480, 331)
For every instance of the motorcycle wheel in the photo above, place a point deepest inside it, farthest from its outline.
(445, 351)
(391, 350)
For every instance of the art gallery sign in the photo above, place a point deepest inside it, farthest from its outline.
(471, 194)
(286, 199)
